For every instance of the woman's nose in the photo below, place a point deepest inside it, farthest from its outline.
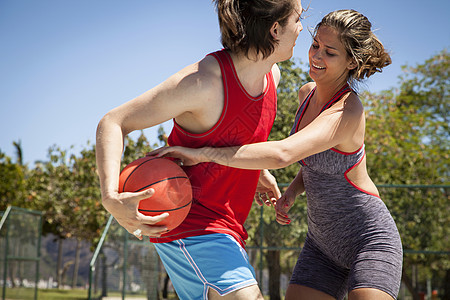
(317, 55)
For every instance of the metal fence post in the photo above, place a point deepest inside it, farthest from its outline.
(5, 215)
(41, 223)
(261, 238)
(96, 253)
(125, 259)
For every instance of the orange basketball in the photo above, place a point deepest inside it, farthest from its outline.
(173, 191)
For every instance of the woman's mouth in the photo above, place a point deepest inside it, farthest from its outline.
(317, 67)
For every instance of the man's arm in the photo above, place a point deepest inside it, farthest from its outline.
(184, 93)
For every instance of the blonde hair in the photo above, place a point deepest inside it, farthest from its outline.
(355, 32)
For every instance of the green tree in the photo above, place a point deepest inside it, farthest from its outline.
(52, 190)
(13, 193)
(12, 183)
(407, 142)
(12, 179)
(66, 189)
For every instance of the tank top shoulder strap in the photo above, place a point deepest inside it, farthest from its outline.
(336, 97)
(301, 110)
(226, 69)
(231, 79)
(224, 60)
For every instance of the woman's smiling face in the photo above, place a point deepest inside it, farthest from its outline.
(328, 58)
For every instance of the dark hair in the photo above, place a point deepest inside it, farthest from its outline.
(362, 45)
(245, 24)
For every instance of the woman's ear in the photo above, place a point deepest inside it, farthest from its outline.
(352, 64)
(275, 30)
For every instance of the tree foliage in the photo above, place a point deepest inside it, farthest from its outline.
(65, 188)
(407, 142)
(12, 183)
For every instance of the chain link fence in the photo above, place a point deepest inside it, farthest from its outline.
(122, 266)
(20, 242)
(128, 267)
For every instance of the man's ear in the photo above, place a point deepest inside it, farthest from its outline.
(275, 30)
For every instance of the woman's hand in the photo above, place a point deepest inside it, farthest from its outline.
(286, 201)
(283, 206)
(267, 190)
(187, 156)
(124, 208)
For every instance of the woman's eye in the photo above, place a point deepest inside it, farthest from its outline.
(315, 46)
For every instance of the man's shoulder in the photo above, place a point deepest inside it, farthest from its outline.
(209, 70)
(202, 77)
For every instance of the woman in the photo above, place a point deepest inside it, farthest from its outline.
(209, 102)
(352, 245)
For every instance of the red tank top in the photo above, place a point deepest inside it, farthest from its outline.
(223, 196)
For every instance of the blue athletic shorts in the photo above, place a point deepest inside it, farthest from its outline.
(197, 263)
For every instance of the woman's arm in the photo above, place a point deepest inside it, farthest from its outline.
(336, 126)
(297, 187)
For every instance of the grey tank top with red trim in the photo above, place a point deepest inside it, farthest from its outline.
(331, 195)
(337, 208)
(331, 161)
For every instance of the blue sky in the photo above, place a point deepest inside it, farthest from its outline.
(65, 63)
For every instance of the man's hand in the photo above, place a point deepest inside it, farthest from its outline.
(124, 208)
(267, 190)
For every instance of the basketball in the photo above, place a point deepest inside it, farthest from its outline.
(173, 191)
